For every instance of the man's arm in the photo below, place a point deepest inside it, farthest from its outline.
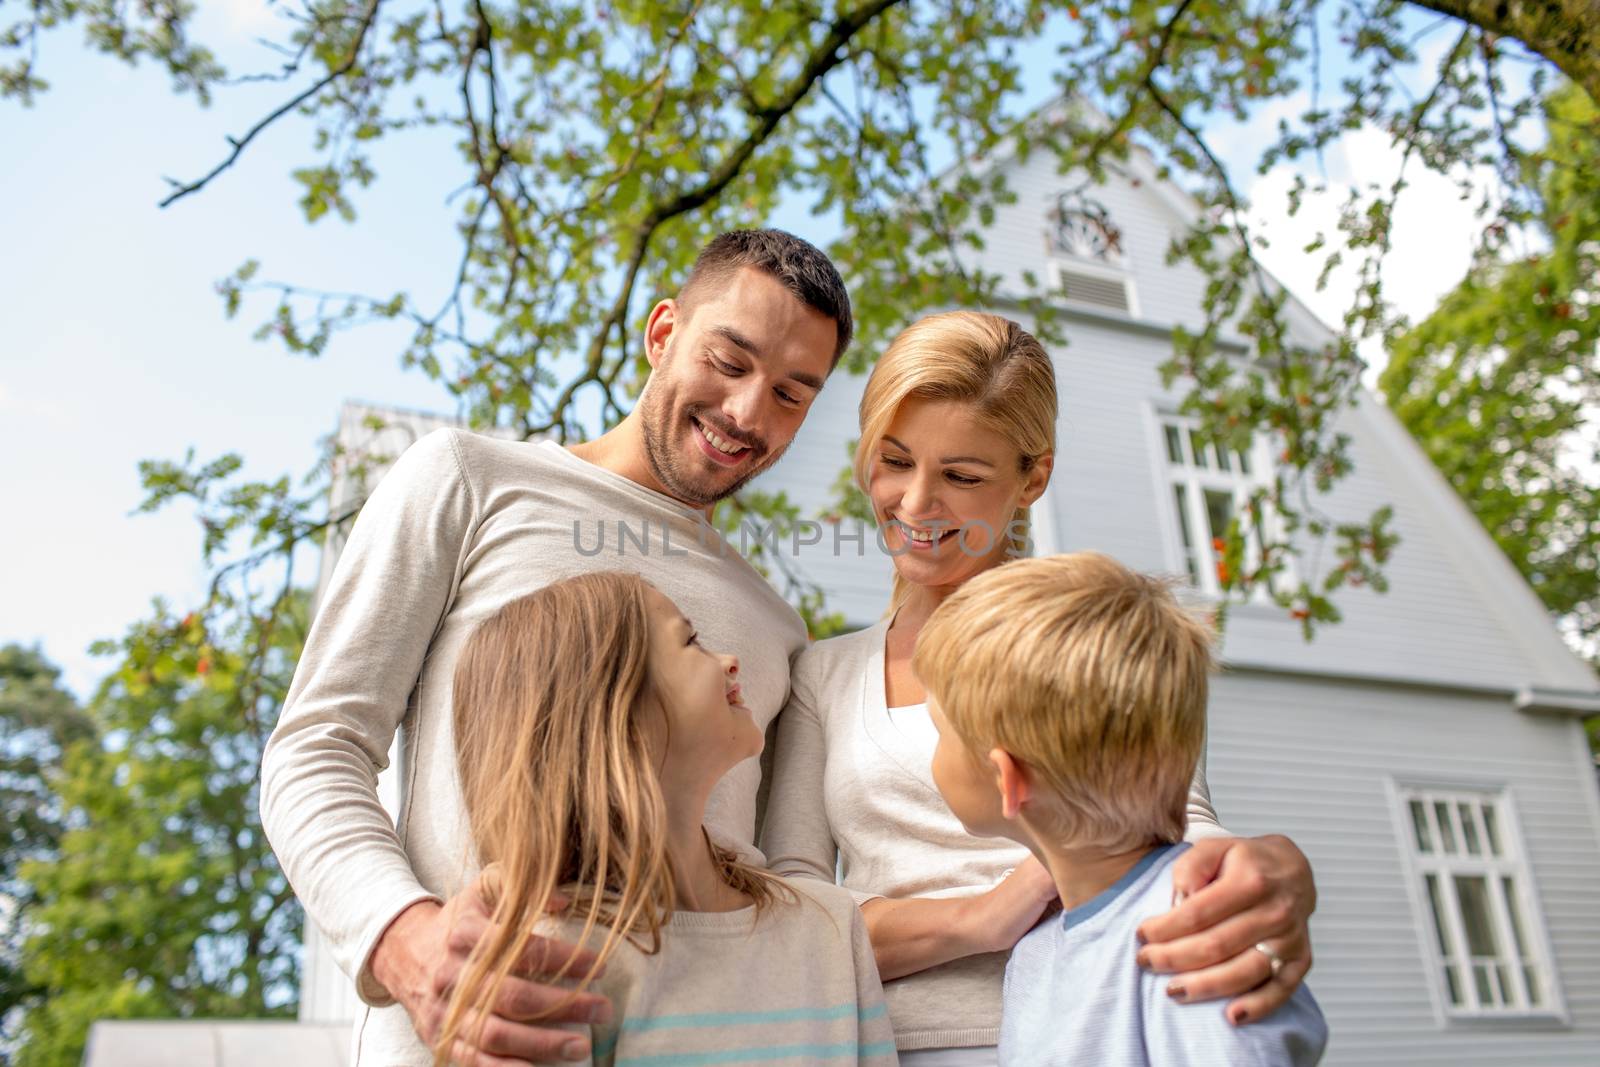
(319, 801)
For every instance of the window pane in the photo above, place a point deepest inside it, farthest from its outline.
(1472, 893)
(1492, 826)
(1244, 460)
(1509, 888)
(1437, 905)
(1480, 976)
(1447, 835)
(1419, 826)
(1174, 445)
(1181, 500)
(1222, 459)
(1452, 984)
(1219, 512)
(1530, 976)
(1469, 829)
(1199, 448)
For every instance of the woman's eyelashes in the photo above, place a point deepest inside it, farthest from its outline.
(966, 481)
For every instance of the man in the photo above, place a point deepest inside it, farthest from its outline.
(464, 523)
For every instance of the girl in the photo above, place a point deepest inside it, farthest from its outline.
(590, 728)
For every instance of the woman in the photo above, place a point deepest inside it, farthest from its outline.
(957, 442)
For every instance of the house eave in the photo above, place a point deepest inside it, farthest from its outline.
(1537, 700)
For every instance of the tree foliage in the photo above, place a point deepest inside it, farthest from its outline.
(162, 897)
(39, 721)
(602, 143)
(1501, 384)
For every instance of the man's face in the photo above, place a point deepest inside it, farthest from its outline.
(731, 382)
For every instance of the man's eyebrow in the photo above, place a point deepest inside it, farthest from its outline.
(729, 334)
(734, 337)
(943, 459)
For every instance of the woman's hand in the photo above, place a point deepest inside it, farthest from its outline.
(1238, 892)
(998, 919)
(912, 934)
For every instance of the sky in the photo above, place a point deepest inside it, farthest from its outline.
(116, 348)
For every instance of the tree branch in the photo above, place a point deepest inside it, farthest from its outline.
(1565, 32)
(823, 59)
(240, 143)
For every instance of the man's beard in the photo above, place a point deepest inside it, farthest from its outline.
(672, 468)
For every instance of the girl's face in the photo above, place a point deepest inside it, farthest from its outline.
(944, 488)
(708, 727)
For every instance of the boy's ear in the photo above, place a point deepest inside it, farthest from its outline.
(1013, 780)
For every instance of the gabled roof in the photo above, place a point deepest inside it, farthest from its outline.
(1564, 681)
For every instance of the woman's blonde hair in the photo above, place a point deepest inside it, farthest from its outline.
(558, 769)
(966, 357)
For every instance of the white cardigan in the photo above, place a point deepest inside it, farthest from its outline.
(853, 800)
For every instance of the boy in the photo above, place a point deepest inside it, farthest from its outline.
(1070, 697)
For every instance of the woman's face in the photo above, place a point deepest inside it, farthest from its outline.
(708, 728)
(944, 488)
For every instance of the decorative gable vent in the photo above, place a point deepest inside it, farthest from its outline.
(1084, 246)
(1096, 290)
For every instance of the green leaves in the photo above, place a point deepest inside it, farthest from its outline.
(160, 897)
(1500, 384)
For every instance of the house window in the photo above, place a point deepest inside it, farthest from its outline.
(1487, 953)
(1085, 251)
(1208, 487)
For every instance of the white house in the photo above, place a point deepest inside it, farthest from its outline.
(1426, 753)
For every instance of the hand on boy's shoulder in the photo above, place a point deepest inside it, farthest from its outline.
(1199, 1034)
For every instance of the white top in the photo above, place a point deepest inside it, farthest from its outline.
(853, 798)
(459, 526)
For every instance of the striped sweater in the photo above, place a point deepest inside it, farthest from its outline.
(796, 985)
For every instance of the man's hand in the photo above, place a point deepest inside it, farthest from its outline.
(422, 953)
(1237, 892)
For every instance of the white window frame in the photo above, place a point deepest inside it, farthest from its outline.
(1444, 866)
(1196, 559)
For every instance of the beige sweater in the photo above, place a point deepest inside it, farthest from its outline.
(853, 797)
(795, 984)
(460, 525)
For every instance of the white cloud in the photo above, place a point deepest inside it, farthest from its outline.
(250, 16)
(1434, 228)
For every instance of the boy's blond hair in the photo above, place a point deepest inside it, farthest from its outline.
(1092, 676)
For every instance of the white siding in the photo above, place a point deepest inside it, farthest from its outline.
(1314, 759)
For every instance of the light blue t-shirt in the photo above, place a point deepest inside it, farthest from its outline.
(1075, 995)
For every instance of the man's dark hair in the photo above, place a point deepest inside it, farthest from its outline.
(800, 266)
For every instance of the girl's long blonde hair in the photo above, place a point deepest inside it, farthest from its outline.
(966, 357)
(558, 772)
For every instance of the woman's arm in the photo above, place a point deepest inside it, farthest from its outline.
(916, 933)
(795, 836)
